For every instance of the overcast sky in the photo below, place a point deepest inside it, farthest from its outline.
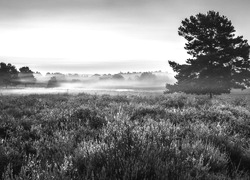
(103, 36)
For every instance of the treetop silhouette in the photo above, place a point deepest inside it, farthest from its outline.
(8, 74)
(26, 76)
(220, 58)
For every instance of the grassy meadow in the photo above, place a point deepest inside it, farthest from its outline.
(124, 136)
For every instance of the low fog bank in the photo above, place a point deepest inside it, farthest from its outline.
(74, 83)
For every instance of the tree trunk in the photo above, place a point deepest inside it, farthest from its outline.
(211, 95)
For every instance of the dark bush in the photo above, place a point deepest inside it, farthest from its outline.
(15, 112)
(178, 101)
(238, 158)
(3, 161)
(144, 112)
(15, 160)
(88, 117)
(240, 102)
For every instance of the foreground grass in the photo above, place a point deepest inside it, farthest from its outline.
(124, 137)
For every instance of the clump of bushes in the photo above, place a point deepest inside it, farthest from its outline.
(88, 117)
(141, 113)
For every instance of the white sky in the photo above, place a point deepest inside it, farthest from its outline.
(102, 36)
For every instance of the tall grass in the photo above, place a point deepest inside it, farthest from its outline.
(123, 137)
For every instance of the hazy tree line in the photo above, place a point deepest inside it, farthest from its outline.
(144, 76)
(24, 76)
(10, 76)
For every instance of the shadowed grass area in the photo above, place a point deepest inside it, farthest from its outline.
(124, 137)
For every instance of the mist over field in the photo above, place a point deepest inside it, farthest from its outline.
(54, 83)
(124, 89)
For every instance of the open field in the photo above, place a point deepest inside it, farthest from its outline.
(124, 136)
(27, 91)
(112, 90)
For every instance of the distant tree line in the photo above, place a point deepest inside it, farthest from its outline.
(10, 76)
(145, 76)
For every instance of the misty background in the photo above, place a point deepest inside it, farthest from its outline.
(103, 36)
(35, 83)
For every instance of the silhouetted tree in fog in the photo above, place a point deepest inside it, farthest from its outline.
(26, 76)
(105, 77)
(220, 59)
(117, 77)
(147, 76)
(53, 82)
(8, 75)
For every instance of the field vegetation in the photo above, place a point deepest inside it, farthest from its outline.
(85, 136)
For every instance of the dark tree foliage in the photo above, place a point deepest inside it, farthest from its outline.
(26, 76)
(8, 75)
(220, 58)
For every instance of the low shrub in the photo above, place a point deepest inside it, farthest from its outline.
(141, 113)
(88, 117)
(176, 101)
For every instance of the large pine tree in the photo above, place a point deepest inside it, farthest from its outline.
(220, 58)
